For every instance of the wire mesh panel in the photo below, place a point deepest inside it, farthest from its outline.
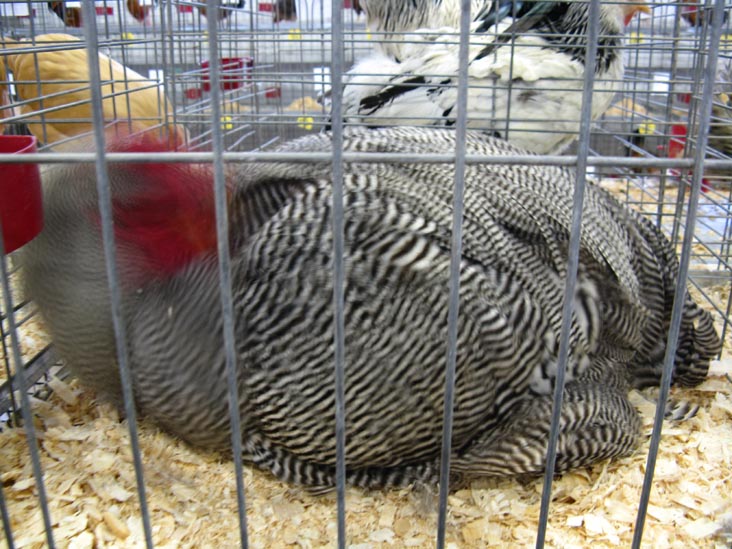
(658, 116)
(382, 227)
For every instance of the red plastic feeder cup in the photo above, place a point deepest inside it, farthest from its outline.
(21, 209)
(233, 71)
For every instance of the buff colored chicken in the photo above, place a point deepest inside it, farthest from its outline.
(64, 92)
(5, 112)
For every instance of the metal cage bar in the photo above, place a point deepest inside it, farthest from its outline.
(25, 407)
(224, 269)
(593, 31)
(680, 292)
(240, 125)
(105, 208)
(338, 223)
(461, 128)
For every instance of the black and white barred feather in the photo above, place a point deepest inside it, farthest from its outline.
(397, 232)
(398, 219)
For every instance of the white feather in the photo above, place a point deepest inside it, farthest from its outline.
(527, 92)
(395, 21)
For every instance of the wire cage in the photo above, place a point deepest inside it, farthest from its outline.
(231, 87)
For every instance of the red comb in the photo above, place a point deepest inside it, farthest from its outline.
(676, 144)
(164, 213)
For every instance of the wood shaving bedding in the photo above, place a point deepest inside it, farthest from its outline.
(90, 483)
(32, 336)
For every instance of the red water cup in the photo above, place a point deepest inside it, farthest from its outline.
(233, 70)
(274, 92)
(21, 208)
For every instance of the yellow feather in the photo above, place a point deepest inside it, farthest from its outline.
(63, 76)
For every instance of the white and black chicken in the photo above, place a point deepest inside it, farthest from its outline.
(526, 73)
(391, 22)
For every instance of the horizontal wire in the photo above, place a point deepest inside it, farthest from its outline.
(368, 157)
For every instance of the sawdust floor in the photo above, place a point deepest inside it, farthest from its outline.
(90, 482)
(191, 494)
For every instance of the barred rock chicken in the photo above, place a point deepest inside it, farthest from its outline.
(64, 95)
(525, 75)
(397, 258)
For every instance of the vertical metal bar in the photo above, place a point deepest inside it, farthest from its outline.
(39, 89)
(224, 263)
(25, 407)
(8, 371)
(115, 88)
(169, 113)
(679, 297)
(455, 259)
(126, 89)
(169, 129)
(6, 517)
(106, 19)
(668, 114)
(338, 265)
(105, 209)
(690, 144)
(512, 44)
(583, 148)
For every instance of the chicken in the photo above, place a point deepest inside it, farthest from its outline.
(64, 92)
(525, 85)
(397, 258)
(678, 148)
(637, 148)
(71, 16)
(719, 142)
(284, 10)
(393, 22)
(646, 140)
(641, 139)
(696, 14)
(5, 112)
(720, 129)
(139, 10)
(165, 196)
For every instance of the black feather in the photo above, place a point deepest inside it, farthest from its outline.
(374, 102)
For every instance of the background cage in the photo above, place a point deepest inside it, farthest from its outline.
(273, 79)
